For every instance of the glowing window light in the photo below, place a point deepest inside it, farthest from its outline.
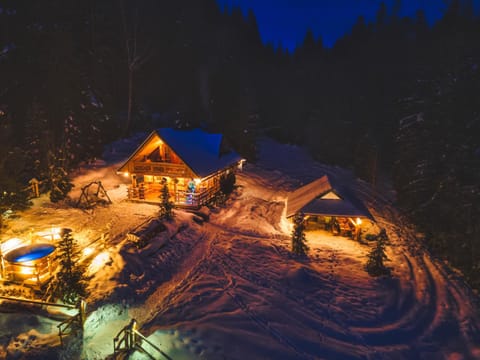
(126, 174)
(197, 181)
(358, 221)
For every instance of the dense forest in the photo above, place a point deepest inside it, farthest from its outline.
(394, 98)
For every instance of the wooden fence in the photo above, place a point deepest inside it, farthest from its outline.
(64, 328)
(129, 339)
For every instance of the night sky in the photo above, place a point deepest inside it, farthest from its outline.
(286, 21)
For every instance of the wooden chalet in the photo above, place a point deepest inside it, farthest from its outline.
(329, 207)
(191, 161)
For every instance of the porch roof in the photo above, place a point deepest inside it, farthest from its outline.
(308, 199)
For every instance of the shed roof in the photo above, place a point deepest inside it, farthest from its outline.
(308, 199)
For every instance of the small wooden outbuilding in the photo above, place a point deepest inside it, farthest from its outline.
(325, 205)
(191, 161)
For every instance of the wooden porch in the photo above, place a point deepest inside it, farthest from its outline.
(150, 193)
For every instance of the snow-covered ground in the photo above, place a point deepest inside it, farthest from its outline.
(231, 289)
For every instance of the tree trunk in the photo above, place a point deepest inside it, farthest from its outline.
(130, 101)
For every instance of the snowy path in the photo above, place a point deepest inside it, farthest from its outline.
(231, 289)
(322, 307)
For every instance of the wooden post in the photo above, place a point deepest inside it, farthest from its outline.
(38, 274)
(34, 185)
(175, 196)
(82, 309)
(3, 266)
(133, 334)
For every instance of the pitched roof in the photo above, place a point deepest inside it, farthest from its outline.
(302, 196)
(308, 199)
(199, 150)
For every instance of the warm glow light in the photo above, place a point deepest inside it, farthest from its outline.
(98, 262)
(197, 181)
(88, 251)
(358, 221)
(27, 268)
(126, 174)
(56, 233)
(51, 234)
(11, 244)
(240, 164)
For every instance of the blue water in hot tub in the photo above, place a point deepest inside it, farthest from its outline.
(29, 253)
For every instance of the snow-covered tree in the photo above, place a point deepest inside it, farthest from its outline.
(59, 183)
(375, 264)
(70, 279)
(166, 206)
(299, 245)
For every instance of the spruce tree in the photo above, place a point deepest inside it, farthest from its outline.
(166, 206)
(58, 180)
(299, 245)
(71, 283)
(376, 257)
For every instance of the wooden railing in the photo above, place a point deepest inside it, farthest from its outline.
(195, 199)
(66, 327)
(161, 169)
(181, 197)
(130, 339)
(30, 274)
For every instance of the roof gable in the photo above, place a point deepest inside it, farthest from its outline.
(331, 195)
(305, 194)
(199, 150)
(320, 198)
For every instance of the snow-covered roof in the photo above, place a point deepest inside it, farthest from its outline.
(200, 150)
(320, 198)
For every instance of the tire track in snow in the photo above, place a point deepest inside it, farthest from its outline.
(159, 303)
(341, 336)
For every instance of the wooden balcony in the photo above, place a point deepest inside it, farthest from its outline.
(161, 169)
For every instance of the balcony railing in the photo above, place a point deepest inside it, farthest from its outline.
(151, 193)
(160, 169)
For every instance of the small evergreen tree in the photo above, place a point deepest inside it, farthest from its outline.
(220, 199)
(71, 283)
(299, 245)
(58, 180)
(376, 257)
(166, 206)
(227, 183)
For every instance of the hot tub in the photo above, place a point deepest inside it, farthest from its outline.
(30, 263)
(29, 253)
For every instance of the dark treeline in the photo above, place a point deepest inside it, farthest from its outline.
(393, 97)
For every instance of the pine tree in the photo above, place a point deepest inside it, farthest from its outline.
(58, 181)
(227, 183)
(299, 245)
(376, 257)
(71, 283)
(166, 206)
